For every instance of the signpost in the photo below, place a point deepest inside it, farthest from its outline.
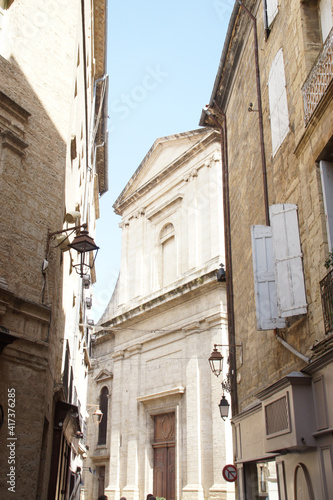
(229, 473)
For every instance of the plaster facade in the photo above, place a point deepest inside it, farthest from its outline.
(48, 100)
(154, 339)
(282, 410)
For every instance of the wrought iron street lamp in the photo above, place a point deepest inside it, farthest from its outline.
(84, 245)
(224, 407)
(97, 414)
(216, 365)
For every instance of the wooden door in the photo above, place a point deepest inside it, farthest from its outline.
(164, 456)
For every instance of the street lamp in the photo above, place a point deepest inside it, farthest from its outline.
(97, 414)
(224, 407)
(216, 361)
(216, 365)
(84, 244)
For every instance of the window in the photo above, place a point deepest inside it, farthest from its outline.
(169, 254)
(278, 268)
(103, 406)
(278, 102)
(65, 374)
(326, 172)
(325, 15)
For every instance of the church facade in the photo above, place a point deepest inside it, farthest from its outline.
(161, 431)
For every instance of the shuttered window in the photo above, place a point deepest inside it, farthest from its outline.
(326, 172)
(288, 260)
(278, 268)
(264, 279)
(278, 105)
(326, 22)
(272, 10)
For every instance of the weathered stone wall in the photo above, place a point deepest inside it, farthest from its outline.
(292, 177)
(41, 57)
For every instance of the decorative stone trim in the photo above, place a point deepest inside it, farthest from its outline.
(13, 142)
(135, 349)
(119, 355)
(103, 376)
(157, 395)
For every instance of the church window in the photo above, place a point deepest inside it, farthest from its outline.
(169, 254)
(103, 406)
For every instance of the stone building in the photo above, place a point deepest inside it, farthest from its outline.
(161, 430)
(52, 118)
(272, 102)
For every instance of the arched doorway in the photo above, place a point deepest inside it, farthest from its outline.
(302, 484)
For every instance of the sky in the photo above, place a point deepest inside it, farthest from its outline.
(162, 61)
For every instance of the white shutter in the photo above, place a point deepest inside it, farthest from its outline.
(272, 10)
(290, 286)
(326, 172)
(264, 279)
(325, 10)
(278, 105)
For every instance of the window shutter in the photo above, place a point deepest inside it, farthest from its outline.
(325, 10)
(288, 260)
(326, 172)
(278, 104)
(272, 10)
(264, 279)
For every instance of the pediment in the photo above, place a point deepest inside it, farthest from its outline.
(103, 375)
(161, 156)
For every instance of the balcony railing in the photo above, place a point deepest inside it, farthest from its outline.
(319, 79)
(326, 286)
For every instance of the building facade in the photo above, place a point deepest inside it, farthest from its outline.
(161, 431)
(272, 102)
(53, 146)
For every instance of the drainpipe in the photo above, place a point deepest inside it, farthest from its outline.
(84, 50)
(222, 125)
(261, 128)
(291, 349)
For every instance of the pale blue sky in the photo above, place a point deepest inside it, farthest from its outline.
(163, 57)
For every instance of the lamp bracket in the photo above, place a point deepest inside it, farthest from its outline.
(232, 345)
(49, 234)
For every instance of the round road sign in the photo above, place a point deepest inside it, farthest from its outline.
(229, 473)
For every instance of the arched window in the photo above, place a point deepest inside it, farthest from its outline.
(103, 406)
(169, 254)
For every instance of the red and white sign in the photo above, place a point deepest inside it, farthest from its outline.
(229, 473)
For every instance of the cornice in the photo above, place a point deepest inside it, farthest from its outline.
(170, 295)
(163, 394)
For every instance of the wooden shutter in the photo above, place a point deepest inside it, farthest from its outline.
(278, 104)
(264, 279)
(326, 172)
(288, 260)
(326, 22)
(272, 10)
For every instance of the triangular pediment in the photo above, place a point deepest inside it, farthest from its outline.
(103, 375)
(164, 153)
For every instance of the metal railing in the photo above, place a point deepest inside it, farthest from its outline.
(326, 287)
(319, 79)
